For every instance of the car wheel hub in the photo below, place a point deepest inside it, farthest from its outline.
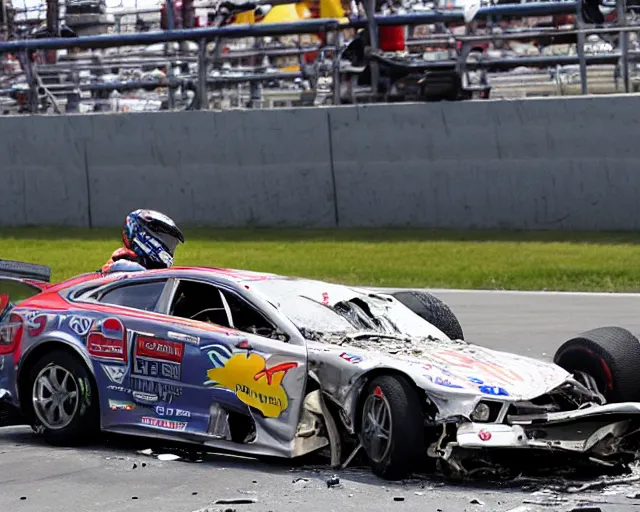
(376, 427)
(55, 397)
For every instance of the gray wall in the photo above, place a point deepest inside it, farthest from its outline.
(532, 164)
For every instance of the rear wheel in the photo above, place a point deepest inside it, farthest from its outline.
(392, 427)
(433, 310)
(610, 355)
(63, 401)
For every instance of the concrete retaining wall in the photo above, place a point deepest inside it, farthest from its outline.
(531, 164)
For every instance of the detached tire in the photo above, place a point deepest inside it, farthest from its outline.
(391, 406)
(62, 400)
(433, 310)
(611, 355)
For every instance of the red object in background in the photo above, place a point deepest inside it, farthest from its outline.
(310, 57)
(392, 38)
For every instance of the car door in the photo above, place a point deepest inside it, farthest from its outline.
(248, 370)
(138, 357)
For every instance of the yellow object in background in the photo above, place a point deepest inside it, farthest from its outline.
(246, 17)
(303, 11)
(331, 9)
(282, 14)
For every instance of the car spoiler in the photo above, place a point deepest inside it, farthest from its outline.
(22, 270)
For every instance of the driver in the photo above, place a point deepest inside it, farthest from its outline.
(150, 239)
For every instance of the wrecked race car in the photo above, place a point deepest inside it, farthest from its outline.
(267, 365)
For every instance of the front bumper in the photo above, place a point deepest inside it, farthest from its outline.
(596, 428)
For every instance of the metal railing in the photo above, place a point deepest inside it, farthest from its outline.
(203, 80)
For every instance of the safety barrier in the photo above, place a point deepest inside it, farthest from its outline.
(532, 164)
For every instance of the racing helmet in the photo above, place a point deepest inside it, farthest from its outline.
(153, 237)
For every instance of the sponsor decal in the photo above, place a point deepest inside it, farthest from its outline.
(81, 325)
(186, 338)
(164, 424)
(325, 298)
(119, 389)
(477, 367)
(110, 342)
(162, 350)
(248, 376)
(475, 380)
(170, 411)
(160, 369)
(164, 392)
(35, 323)
(115, 373)
(443, 382)
(493, 390)
(119, 405)
(145, 397)
(351, 358)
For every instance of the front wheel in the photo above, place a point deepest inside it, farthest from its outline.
(392, 427)
(610, 355)
(63, 402)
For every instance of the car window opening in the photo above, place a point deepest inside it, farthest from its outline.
(206, 303)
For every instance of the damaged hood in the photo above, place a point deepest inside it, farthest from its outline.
(480, 371)
(444, 368)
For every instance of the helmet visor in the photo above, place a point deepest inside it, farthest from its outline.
(170, 242)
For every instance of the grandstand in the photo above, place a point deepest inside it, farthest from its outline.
(494, 56)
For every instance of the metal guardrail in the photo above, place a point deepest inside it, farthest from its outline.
(316, 26)
(279, 29)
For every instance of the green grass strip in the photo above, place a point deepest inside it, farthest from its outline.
(541, 260)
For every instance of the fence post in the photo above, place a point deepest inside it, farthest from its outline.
(33, 83)
(372, 26)
(621, 8)
(335, 66)
(580, 47)
(202, 75)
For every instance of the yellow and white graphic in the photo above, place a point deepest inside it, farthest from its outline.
(248, 376)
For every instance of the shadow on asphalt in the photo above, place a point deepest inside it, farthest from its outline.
(317, 467)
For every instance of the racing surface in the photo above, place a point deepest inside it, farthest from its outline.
(113, 476)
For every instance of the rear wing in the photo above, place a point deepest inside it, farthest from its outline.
(20, 281)
(21, 270)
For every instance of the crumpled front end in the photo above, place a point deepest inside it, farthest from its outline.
(568, 424)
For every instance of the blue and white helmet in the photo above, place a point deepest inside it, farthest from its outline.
(153, 237)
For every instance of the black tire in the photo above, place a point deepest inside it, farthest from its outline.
(433, 310)
(85, 422)
(406, 434)
(611, 356)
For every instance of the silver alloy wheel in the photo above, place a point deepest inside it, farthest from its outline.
(376, 427)
(55, 397)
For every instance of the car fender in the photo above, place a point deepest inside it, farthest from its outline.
(352, 402)
(53, 337)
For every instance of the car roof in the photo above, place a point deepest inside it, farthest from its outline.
(219, 274)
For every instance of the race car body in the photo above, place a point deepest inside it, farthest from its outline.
(271, 365)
